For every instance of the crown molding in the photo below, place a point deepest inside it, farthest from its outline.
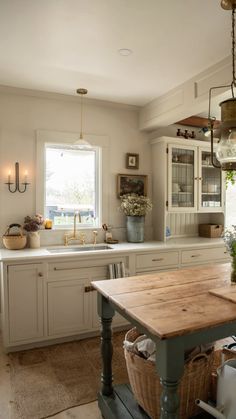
(40, 94)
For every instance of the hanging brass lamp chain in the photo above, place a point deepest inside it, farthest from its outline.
(233, 48)
(82, 92)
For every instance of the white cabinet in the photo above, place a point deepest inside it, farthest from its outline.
(187, 189)
(203, 255)
(25, 302)
(71, 301)
(193, 183)
(156, 261)
(68, 307)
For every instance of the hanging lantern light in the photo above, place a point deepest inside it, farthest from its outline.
(226, 147)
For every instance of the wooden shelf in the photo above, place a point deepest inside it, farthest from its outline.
(209, 193)
(181, 164)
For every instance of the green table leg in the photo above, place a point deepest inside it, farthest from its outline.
(170, 367)
(106, 313)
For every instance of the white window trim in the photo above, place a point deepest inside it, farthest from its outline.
(44, 137)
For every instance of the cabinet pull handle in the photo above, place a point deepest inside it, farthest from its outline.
(157, 260)
(64, 269)
(89, 288)
(195, 256)
(40, 274)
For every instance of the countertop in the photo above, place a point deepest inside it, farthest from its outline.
(43, 252)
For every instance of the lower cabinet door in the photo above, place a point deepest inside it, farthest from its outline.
(25, 300)
(68, 307)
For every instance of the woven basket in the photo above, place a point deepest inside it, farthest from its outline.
(146, 387)
(14, 241)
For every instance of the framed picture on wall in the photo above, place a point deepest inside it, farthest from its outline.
(127, 184)
(132, 161)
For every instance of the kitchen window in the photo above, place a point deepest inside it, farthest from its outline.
(69, 179)
(71, 185)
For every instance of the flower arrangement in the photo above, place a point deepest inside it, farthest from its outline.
(229, 237)
(33, 223)
(135, 205)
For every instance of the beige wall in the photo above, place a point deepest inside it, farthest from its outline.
(21, 116)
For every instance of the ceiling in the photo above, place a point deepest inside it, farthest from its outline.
(60, 45)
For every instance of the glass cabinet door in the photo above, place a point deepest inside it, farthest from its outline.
(211, 183)
(182, 178)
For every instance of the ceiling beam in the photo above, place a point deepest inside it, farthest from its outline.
(197, 121)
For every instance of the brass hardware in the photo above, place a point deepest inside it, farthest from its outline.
(200, 178)
(157, 260)
(82, 238)
(68, 237)
(40, 274)
(196, 178)
(95, 233)
(228, 4)
(89, 288)
(82, 92)
(195, 256)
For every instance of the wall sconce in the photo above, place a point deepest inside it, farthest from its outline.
(16, 184)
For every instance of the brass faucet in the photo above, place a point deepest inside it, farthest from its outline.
(74, 236)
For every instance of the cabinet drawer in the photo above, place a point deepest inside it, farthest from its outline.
(157, 260)
(203, 255)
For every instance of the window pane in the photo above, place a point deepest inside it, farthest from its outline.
(70, 184)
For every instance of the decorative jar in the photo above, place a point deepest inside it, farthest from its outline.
(135, 228)
(34, 239)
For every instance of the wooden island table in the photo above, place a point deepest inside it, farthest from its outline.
(177, 310)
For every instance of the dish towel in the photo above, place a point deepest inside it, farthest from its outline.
(116, 270)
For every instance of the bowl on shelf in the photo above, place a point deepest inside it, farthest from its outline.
(187, 188)
(185, 158)
(176, 187)
(212, 188)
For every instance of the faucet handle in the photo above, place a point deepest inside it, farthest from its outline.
(95, 233)
(82, 238)
(66, 239)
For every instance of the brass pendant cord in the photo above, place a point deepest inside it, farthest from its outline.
(81, 116)
(233, 50)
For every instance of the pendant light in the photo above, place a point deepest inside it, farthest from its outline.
(226, 147)
(82, 143)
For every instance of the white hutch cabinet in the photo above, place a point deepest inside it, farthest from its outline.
(185, 182)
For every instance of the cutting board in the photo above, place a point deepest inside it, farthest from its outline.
(228, 293)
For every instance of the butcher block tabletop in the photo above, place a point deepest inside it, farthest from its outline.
(173, 303)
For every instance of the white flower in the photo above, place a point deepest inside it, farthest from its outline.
(135, 205)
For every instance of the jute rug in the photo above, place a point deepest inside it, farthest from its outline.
(48, 380)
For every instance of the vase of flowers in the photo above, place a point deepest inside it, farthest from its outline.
(32, 225)
(229, 237)
(135, 207)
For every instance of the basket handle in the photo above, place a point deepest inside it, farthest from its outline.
(199, 356)
(14, 225)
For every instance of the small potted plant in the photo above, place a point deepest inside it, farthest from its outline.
(32, 225)
(135, 207)
(229, 237)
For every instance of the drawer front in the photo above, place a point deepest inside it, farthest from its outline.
(203, 255)
(157, 260)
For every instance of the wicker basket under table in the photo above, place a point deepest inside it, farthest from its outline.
(146, 387)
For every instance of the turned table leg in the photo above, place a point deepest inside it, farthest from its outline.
(170, 367)
(106, 313)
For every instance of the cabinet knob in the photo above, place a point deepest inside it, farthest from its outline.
(195, 256)
(40, 274)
